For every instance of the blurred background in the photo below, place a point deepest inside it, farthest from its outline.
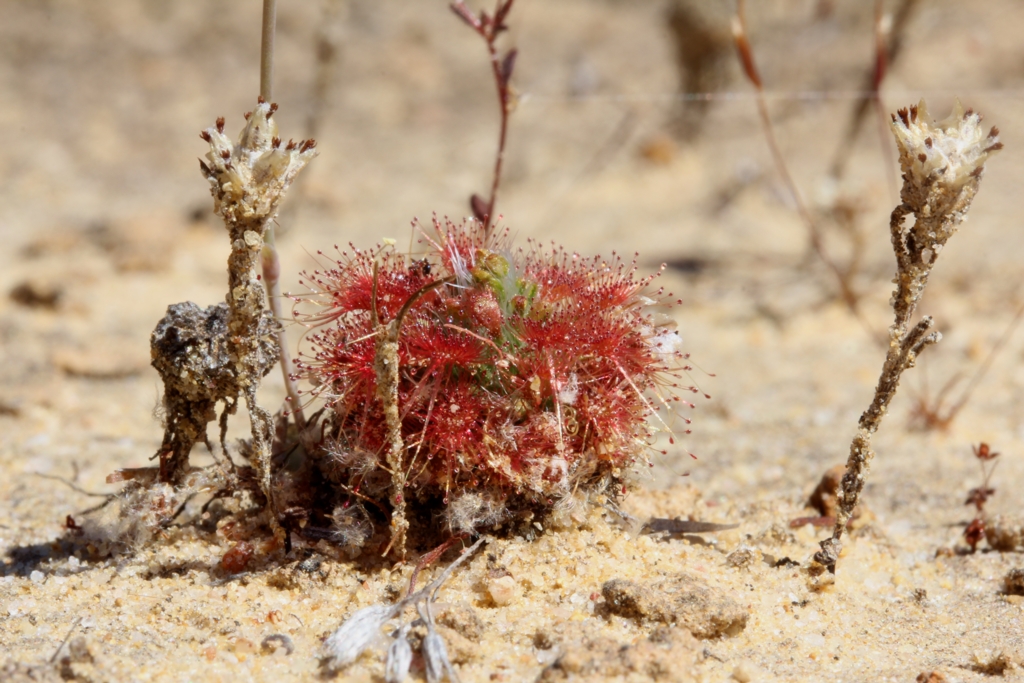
(635, 131)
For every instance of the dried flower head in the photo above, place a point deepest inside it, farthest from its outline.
(522, 375)
(250, 178)
(950, 152)
(942, 163)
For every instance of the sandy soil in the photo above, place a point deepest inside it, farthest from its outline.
(106, 221)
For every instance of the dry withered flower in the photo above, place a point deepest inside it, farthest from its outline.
(220, 354)
(942, 163)
(365, 627)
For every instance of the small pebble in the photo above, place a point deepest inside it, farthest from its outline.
(278, 643)
(36, 576)
(502, 590)
(745, 672)
(741, 557)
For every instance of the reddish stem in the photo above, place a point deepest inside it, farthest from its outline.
(488, 28)
(746, 55)
(430, 558)
(503, 96)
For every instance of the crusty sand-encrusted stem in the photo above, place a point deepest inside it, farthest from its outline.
(248, 181)
(386, 366)
(942, 165)
(246, 303)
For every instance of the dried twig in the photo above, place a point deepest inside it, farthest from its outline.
(890, 30)
(928, 415)
(746, 55)
(363, 628)
(386, 366)
(942, 165)
(67, 637)
(271, 266)
(74, 487)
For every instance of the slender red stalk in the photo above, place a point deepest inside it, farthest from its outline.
(489, 28)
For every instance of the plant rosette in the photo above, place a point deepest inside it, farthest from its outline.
(525, 379)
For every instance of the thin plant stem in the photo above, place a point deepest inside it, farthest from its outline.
(271, 262)
(267, 49)
(931, 417)
(888, 36)
(489, 28)
(74, 487)
(890, 29)
(878, 73)
(272, 281)
(499, 158)
(430, 558)
(849, 297)
(67, 637)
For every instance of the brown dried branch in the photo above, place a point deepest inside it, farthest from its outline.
(746, 55)
(929, 415)
(889, 39)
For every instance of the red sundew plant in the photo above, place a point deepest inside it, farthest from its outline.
(524, 378)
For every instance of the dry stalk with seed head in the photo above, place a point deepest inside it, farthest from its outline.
(248, 181)
(942, 164)
(220, 354)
